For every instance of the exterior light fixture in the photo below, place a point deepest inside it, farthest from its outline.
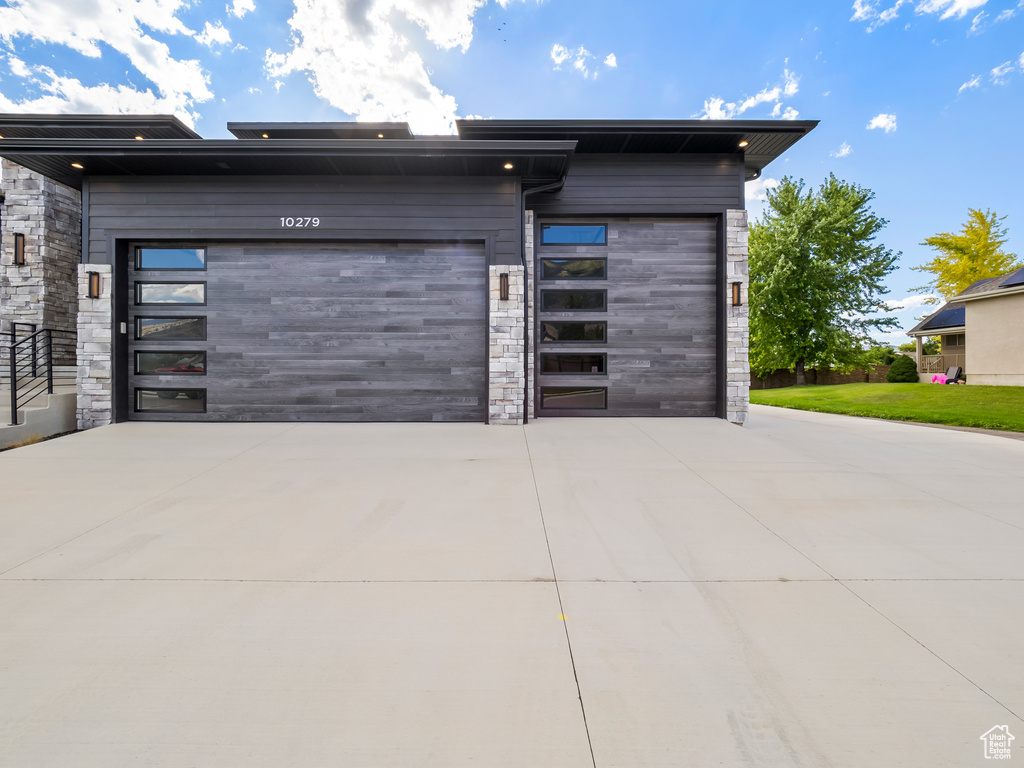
(19, 249)
(266, 136)
(736, 295)
(509, 166)
(744, 143)
(1, 136)
(79, 166)
(138, 138)
(503, 286)
(380, 135)
(94, 285)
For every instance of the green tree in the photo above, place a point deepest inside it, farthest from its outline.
(976, 253)
(815, 277)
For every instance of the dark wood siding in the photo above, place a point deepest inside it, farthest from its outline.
(661, 347)
(332, 332)
(653, 185)
(353, 208)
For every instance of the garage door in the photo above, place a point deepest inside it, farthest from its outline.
(626, 317)
(325, 332)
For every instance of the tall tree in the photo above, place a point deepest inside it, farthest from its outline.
(816, 274)
(976, 253)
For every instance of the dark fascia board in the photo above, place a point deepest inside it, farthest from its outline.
(766, 139)
(53, 157)
(345, 130)
(635, 126)
(94, 126)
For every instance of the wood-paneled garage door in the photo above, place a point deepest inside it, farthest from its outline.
(625, 314)
(311, 332)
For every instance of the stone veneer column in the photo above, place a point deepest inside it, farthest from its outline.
(506, 374)
(95, 363)
(737, 332)
(50, 216)
(530, 373)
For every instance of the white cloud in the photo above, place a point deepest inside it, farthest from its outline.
(868, 10)
(949, 8)
(358, 59)
(1001, 75)
(69, 95)
(583, 61)
(912, 302)
(756, 194)
(214, 34)
(717, 108)
(883, 121)
(974, 82)
(1009, 13)
(85, 27)
(240, 7)
(559, 55)
(844, 150)
(976, 23)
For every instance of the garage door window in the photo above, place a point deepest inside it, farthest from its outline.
(573, 332)
(573, 364)
(170, 258)
(574, 234)
(573, 301)
(574, 269)
(591, 398)
(170, 293)
(170, 400)
(192, 363)
(170, 328)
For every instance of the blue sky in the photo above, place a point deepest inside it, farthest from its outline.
(921, 101)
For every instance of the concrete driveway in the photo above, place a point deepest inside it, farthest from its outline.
(810, 590)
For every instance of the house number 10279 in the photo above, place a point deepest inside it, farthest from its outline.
(300, 221)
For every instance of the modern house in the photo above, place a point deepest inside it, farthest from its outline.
(980, 331)
(356, 272)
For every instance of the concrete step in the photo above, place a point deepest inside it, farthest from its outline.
(44, 416)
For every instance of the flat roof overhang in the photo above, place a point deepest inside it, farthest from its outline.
(35, 126)
(348, 130)
(535, 162)
(766, 139)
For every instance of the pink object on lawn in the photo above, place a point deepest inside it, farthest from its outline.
(939, 378)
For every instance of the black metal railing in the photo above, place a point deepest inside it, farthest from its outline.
(30, 359)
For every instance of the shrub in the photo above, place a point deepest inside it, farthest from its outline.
(904, 369)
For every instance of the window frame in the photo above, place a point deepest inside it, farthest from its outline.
(180, 352)
(545, 406)
(604, 340)
(602, 291)
(137, 261)
(179, 390)
(138, 293)
(140, 337)
(545, 225)
(603, 259)
(604, 364)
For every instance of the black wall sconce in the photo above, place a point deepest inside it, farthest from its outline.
(19, 250)
(736, 295)
(94, 285)
(503, 286)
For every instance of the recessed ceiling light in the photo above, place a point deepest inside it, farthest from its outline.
(509, 166)
(138, 138)
(744, 143)
(265, 136)
(79, 166)
(1, 136)
(380, 135)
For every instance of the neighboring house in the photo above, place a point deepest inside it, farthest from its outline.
(355, 272)
(981, 331)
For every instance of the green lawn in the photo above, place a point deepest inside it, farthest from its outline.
(964, 406)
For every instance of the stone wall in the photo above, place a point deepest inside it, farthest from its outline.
(737, 332)
(506, 370)
(43, 292)
(95, 391)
